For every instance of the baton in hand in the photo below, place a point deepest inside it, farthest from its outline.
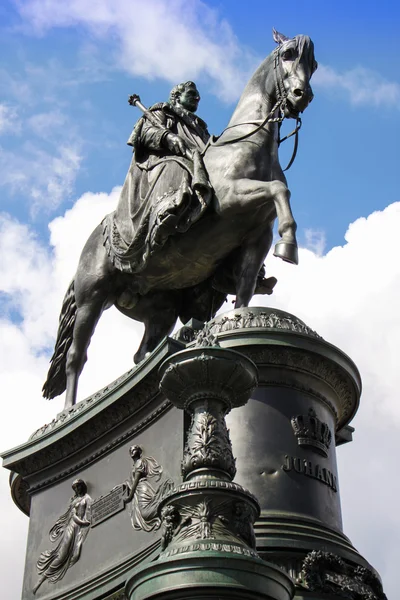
(134, 100)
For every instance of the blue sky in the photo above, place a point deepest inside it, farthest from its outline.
(66, 71)
(79, 78)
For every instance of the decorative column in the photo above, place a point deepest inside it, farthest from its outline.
(285, 442)
(208, 542)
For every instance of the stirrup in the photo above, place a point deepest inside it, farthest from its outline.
(287, 251)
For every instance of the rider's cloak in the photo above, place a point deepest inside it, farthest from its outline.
(163, 194)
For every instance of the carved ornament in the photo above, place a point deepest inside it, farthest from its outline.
(208, 445)
(142, 494)
(66, 415)
(260, 318)
(327, 573)
(214, 373)
(117, 441)
(69, 534)
(312, 433)
(206, 337)
(220, 518)
(211, 547)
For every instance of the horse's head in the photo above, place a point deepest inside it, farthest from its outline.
(294, 64)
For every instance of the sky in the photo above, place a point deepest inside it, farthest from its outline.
(66, 71)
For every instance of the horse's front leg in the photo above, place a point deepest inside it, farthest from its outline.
(158, 311)
(286, 248)
(248, 195)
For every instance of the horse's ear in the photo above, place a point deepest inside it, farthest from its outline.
(279, 38)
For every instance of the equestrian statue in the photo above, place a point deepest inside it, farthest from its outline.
(195, 218)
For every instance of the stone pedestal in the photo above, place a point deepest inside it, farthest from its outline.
(285, 442)
(148, 534)
(208, 546)
(95, 441)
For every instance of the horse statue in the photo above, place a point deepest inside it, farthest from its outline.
(228, 243)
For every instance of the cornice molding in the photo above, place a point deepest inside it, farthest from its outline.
(269, 337)
(76, 429)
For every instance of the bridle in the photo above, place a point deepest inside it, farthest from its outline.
(280, 104)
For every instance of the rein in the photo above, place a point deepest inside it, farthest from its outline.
(295, 132)
(279, 104)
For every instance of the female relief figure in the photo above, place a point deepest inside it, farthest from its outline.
(144, 498)
(70, 531)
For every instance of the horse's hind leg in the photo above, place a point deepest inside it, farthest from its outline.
(93, 286)
(87, 316)
(249, 263)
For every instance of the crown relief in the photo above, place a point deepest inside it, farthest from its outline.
(312, 433)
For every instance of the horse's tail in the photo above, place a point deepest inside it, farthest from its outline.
(56, 381)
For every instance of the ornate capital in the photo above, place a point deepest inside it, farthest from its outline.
(208, 373)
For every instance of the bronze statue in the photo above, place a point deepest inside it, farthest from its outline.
(195, 217)
(70, 530)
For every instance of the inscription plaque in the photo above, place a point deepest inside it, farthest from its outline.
(107, 506)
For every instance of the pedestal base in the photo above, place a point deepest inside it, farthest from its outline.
(209, 575)
(284, 442)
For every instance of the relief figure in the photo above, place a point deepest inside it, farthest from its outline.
(143, 496)
(70, 531)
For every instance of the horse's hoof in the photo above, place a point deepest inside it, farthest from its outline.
(287, 251)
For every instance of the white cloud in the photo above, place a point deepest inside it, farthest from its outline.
(350, 296)
(9, 121)
(44, 124)
(42, 170)
(174, 40)
(13, 85)
(48, 82)
(149, 39)
(362, 86)
(315, 240)
(46, 177)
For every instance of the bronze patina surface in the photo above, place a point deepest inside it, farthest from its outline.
(195, 216)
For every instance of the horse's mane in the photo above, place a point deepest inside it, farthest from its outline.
(305, 46)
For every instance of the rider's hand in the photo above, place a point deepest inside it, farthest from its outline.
(176, 145)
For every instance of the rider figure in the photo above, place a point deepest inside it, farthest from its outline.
(180, 131)
(167, 187)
